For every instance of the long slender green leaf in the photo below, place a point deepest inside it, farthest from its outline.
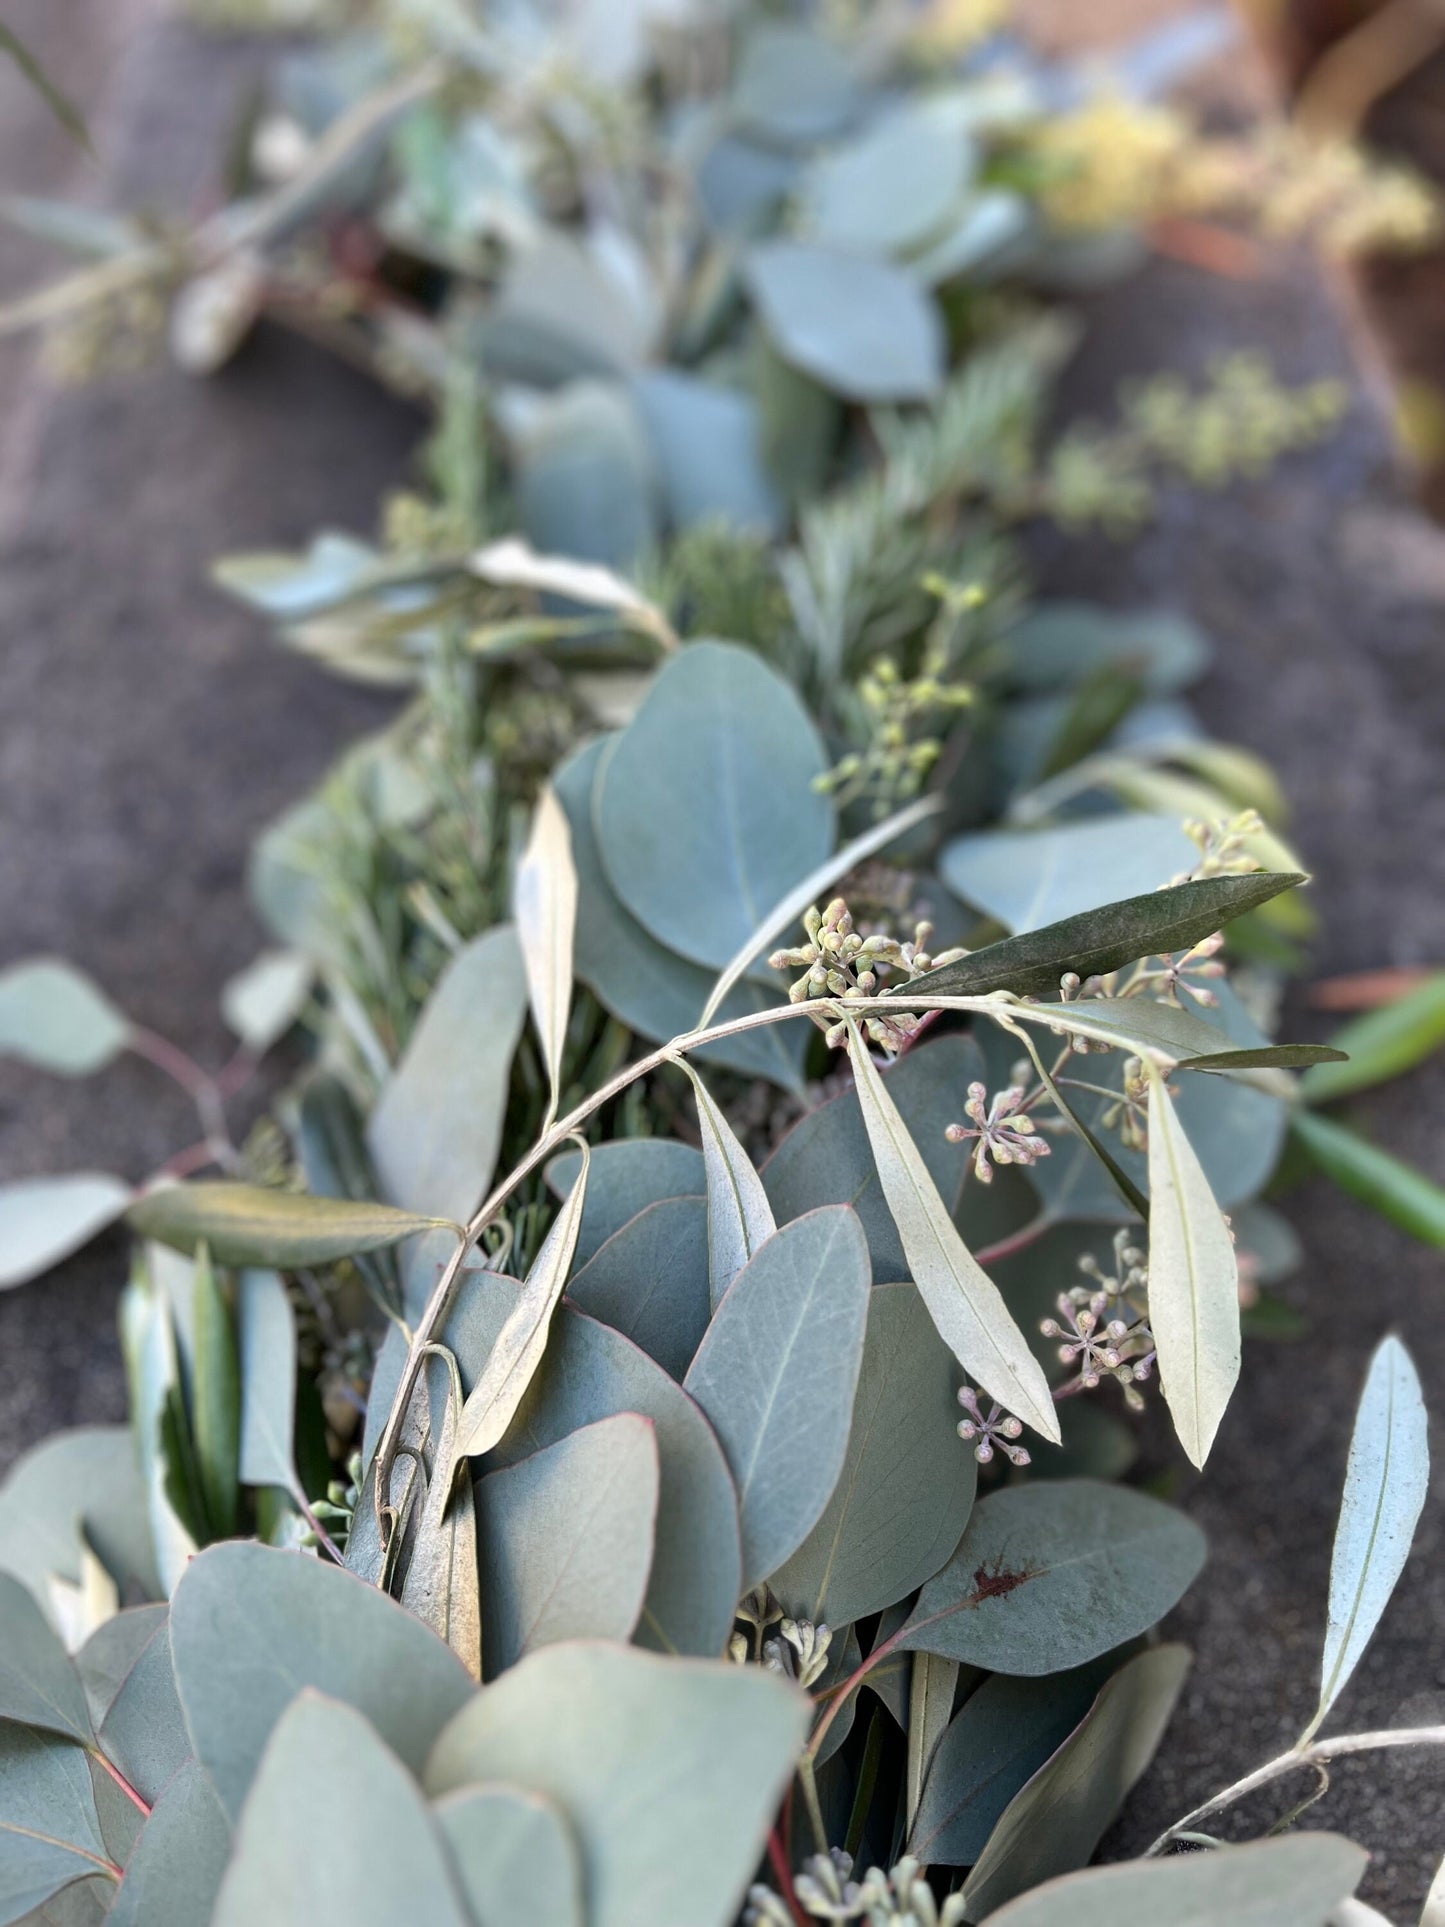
(1125, 1185)
(217, 1399)
(930, 1708)
(1385, 1486)
(1384, 1043)
(39, 1685)
(59, 103)
(785, 914)
(268, 1381)
(1269, 1057)
(1388, 1185)
(1193, 1282)
(443, 1586)
(963, 1301)
(1098, 941)
(512, 1365)
(739, 1217)
(246, 1224)
(545, 907)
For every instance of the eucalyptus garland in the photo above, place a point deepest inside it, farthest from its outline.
(640, 1434)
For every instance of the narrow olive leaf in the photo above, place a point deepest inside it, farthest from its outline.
(515, 1856)
(1055, 1821)
(1384, 1043)
(931, 1688)
(326, 1776)
(739, 1217)
(1269, 1057)
(513, 563)
(442, 1584)
(60, 104)
(43, 1220)
(1123, 1183)
(587, 1724)
(776, 1373)
(1097, 941)
(804, 895)
(148, 1343)
(512, 1364)
(1050, 1575)
(1388, 1185)
(1385, 1485)
(53, 1015)
(246, 1224)
(544, 903)
(1272, 1883)
(1193, 1282)
(963, 1301)
(49, 1830)
(39, 1685)
(1135, 1023)
(267, 1331)
(566, 1539)
(216, 1398)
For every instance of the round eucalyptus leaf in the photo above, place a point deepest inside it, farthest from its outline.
(49, 1831)
(1028, 878)
(647, 986)
(626, 1175)
(54, 1016)
(564, 1540)
(891, 189)
(650, 1281)
(110, 1652)
(706, 811)
(707, 444)
(1061, 644)
(586, 1724)
(251, 1626)
(144, 1731)
(43, 1220)
(792, 86)
(584, 476)
(776, 1372)
(85, 1481)
(39, 1685)
(560, 316)
(1049, 1575)
(904, 1494)
(515, 1856)
(860, 326)
(987, 234)
(175, 1868)
(325, 1776)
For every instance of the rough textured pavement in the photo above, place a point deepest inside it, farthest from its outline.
(149, 730)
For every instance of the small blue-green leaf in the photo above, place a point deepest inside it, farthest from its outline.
(861, 327)
(705, 808)
(650, 1281)
(515, 1856)
(892, 188)
(1058, 1818)
(1385, 1486)
(776, 1373)
(1052, 1574)
(792, 86)
(586, 1724)
(52, 1015)
(326, 1776)
(39, 1686)
(708, 447)
(1273, 1883)
(565, 1540)
(626, 1175)
(49, 1832)
(43, 1220)
(175, 1868)
(906, 1488)
(437, 1126)
(144, 1730)
(1028, 878)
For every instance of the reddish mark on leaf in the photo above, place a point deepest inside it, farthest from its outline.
(998, 1582)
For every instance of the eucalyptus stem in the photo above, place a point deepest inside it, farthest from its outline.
(1317, 1755)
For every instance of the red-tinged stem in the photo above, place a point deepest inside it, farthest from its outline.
(123, 1783)
(195, 1157)
(1019, 1240)
(838, 1696)
(783, 1874)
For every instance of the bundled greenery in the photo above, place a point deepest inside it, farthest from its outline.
(776, 1086)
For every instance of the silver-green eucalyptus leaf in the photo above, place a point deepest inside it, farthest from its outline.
(39, 1685)
(1386, 1482)
(739, 1217)
(263, 1001)
(962, 1299)
(144, 1730)
(110, 1652)
(904, 1494)
(627, 1175)
(251, 1626)
(650, 1281)
(512, 1364)
(326, 1776)
(248, 1224)
(861, 327)
(544, 902)
(436, 1129)
(49, 1831)
(174, 1872)
(43, 1220)
(776, 1372)
(566, 1539)
(585, 1724)
(78, 1487)
(515, 1857)
(1193, 1282)
(1272, 1883)
(1049, 1575)
(1053, 1824)
(52, 1015)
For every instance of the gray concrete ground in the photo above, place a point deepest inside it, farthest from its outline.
(149, 730)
